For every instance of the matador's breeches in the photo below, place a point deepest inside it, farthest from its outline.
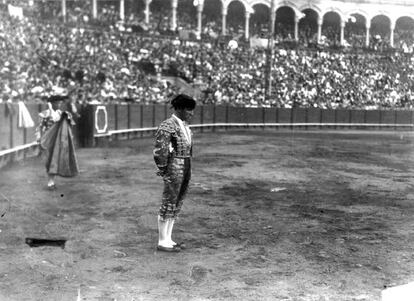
(176, 183)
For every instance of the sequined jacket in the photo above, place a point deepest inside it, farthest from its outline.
(170, 143)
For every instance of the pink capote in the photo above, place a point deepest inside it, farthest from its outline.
(60, 150)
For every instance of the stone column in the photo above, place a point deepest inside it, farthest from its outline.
(296, 33)
(200, 7)
(367, 28)
(246, 25)
(341, 39)
(147, 11)
(392, 27)
(223, 20)
(94, 9)
(174, 5)
(320, 21)
(272, 21)
(64, 10)
(122, 9)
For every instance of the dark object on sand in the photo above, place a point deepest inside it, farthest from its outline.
(40, 242)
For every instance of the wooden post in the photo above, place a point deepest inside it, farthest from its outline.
(227, 115)
(320, 118)
(141, 111)
(263, 117)
(395, 119)
(214, 117)
(307, 118)
(336, 118)
(116, 116)
(201, 117)
(24, 140)
(129, 119)
(277, 115)
(11, 138)
(153, 115)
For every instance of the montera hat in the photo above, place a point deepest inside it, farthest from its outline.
(183, 101)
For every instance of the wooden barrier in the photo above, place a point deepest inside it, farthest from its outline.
(284, 116)
(328, 116)
(17, 142)
(357, 116)
(388, 117)
(126, 121)
(404, 117)
(373, 116)
(212, 117)
(122, 117)
(197, 117)
(299, 115)
(270, 115)
(314, 115)
(4, 128)
(209, 114)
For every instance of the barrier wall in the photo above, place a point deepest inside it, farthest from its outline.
(132, 119)
(11, 135)
(17, 142)
(128, 119)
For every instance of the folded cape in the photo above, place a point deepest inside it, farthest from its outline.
(25, 120)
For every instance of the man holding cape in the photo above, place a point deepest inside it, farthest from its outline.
(55, 137)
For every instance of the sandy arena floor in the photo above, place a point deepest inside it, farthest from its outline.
(270, 215)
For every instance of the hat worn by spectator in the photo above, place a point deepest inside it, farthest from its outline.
(183, 101)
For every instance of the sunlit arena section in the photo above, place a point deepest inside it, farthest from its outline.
(275, 138)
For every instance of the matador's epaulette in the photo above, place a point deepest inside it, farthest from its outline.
(168, 125)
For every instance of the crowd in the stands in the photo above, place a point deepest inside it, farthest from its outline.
(116, 64)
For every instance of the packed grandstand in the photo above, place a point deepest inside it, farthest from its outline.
(123, 54)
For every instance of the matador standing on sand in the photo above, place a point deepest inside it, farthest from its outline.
(172, 155)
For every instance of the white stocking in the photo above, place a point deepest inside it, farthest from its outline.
(170, 226)
(51, 180)
(163, 233)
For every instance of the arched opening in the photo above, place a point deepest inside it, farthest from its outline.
(404, 33)
(235, 18)
(160, 15)
(331, 29)
(78, 11)
(48, 9)
(380, 32)
(137, 8)
(259, 21)
(186, 15)
(212, 14)
(285, 23)
(308, 26)
(108, 11)
(212, 11)
(355, 31)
